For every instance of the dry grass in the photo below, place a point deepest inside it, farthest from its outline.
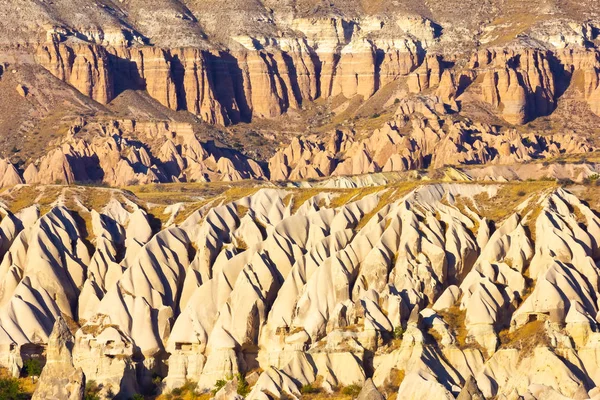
(172, 193)
(92, 198)
(510, 195)
(516, 20)
(455, 318)
(300, 196)
(186, 392)
(24, 196)
(392, 384)
(525, 339)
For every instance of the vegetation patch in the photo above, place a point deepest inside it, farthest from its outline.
(526, 338)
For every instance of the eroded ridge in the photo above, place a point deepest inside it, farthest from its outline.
(427, 290)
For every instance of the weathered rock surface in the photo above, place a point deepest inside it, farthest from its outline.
(60, 379)
(369, 392)
(128, 152)
(422, 135)
(321, 288)
(283, 58)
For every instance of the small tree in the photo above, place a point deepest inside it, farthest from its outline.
(91, 391)
(33, 367)
(243, 389)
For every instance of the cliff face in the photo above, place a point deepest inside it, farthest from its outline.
(255, 80)
(84, 66)
(335, 57)
(283, 69)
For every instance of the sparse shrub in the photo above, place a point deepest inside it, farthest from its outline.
(157, 381)
(376, 115)
(309, 389)
(352, 390)
(398, 332)
(521, 193)
(219, 385)
(564, 182)
(91, 391)
(243, 389)
(397, 101)
(10, 389)
(137, 396)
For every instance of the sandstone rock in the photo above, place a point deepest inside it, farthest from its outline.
(60, 379)
(84, 66)
(309, 296)
(369, 392)
(470, 391)
(8, 174)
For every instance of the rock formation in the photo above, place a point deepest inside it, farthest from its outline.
(422, 135)
(290, 59)
(342, 261)
(60, 379)
(325, 288)
(128, 152)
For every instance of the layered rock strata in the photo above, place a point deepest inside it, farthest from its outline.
(264, 77)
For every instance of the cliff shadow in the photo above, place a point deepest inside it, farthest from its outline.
(293, 75)
(227, 79)
(178, 74)
(126, 75)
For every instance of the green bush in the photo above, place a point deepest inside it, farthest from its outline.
(243, 389)
(352, 390)
(33, 367)
(91, 391)
(309, 389)
(10, 389)
(137, 396)
(398, 332)
(219, 385)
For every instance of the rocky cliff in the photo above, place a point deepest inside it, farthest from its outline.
(299, 59)
(310, 89)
